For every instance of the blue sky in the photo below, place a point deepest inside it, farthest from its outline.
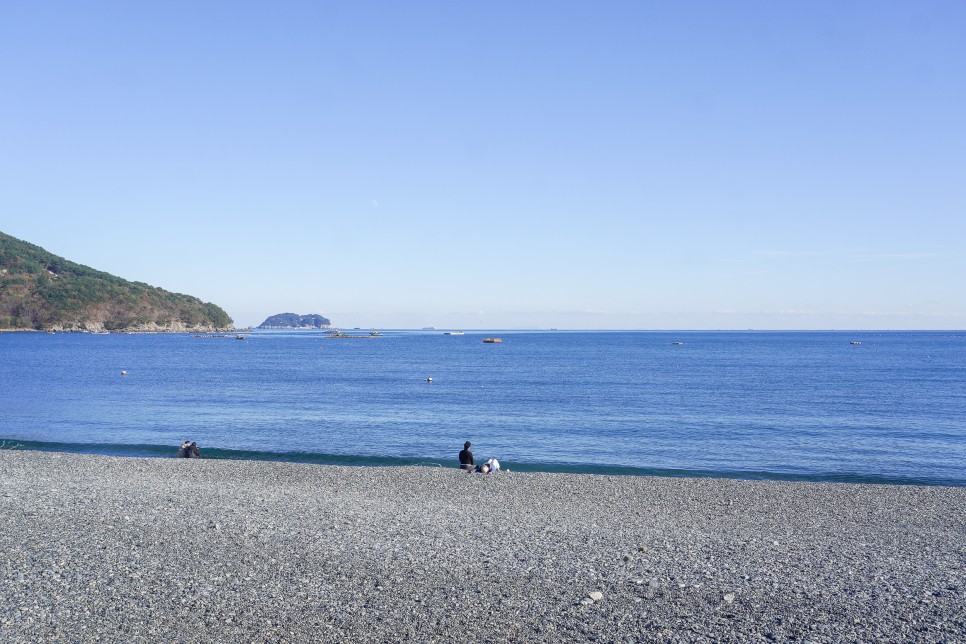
(629, 165)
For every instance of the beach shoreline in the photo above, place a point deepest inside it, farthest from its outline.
(370, 460)
(144, 549)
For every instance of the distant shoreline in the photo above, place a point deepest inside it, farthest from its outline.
(470, 330)
(123, 332)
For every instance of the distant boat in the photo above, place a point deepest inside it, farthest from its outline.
(492, 340)
(429, 328)
(239, 337)
(375, 334)
(452, 333)
(855, 342)
(677, 343)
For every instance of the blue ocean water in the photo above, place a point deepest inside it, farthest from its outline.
(788, 405)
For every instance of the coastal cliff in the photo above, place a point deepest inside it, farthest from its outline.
(40, 291)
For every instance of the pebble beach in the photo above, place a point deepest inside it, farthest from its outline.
(98, 548)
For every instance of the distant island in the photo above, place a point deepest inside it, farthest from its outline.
(296, 321)
(40, 291)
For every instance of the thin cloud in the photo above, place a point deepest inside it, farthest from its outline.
(852, 254)
(861, 314)
(791, 253)
(586, 312)
(899, 257)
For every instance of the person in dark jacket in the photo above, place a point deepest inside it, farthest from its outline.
(183, 452)
(466, 457)
(194, 451)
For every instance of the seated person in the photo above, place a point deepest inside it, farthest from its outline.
(466, 457)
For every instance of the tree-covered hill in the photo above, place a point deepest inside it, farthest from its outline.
(39, 290)
(295, 321)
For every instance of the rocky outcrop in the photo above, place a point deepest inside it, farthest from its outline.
(296, 321)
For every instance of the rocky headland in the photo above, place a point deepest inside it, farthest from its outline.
(40, 291)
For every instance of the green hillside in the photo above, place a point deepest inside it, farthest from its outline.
(39, 290)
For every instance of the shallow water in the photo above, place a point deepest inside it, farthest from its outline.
(791, 405)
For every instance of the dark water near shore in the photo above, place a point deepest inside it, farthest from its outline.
(787, 405)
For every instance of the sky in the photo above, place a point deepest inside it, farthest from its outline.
(500, 165)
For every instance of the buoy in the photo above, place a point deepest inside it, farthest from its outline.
(123, 373)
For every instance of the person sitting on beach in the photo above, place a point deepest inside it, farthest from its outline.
(183, 452)
(466, 457)
(194, 451)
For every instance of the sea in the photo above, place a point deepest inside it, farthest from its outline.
(860, 406)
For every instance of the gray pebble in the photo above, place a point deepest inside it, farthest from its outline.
(102, 549)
